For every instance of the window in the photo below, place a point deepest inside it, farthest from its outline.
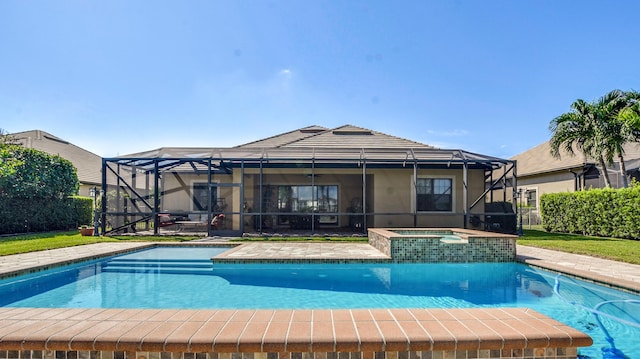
(200, 193)
(307, 199)
(434, 194)
(327, 199)
(303, 199)
(531, 198)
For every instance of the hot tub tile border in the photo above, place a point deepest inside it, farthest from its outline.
(477, 246)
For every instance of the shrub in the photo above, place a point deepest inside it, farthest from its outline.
(83, 210)
(35, 190)
(597, 212)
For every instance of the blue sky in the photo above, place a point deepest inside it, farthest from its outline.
(120, 76)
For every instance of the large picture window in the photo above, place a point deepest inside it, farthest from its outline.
(434, 194)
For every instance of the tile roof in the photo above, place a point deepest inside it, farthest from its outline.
(355, 137)
(347, 136)
(342, 144)
(538, 160)
(284, 138)
(88, 164)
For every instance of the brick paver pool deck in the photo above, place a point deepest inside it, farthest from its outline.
(41, 333)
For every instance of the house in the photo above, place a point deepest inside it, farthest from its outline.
(313, 178)
(88, 164)
(539, 172)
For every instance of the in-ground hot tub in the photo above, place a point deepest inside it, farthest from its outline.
(436, 245)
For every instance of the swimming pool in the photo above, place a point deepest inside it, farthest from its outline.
(185, 278)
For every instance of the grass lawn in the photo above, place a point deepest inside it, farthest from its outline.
(623, 250)
(52, 240)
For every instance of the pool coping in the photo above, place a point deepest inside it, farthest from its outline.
(514, 332)
(505, 330)
(586, 275)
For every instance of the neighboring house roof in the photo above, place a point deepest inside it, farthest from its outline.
(88, 164)
(539, 160)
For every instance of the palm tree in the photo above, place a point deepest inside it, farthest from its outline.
(578, 128)
(630, 119)
(631, 116)
(599, 129)
(617, 126)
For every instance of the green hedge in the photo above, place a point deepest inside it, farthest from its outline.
(37, 215)
(36, 192)
(83, 210)
(596, 212)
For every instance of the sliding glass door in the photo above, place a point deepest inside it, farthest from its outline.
(298, 200)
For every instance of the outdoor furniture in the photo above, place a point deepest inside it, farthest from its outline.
(166, 219)
(191, 225)
(217, 221)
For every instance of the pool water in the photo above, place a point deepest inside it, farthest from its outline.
(445, 235)
(186, 278)
(423, 232)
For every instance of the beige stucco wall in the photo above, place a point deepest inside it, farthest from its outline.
(85, 189)
(547, 183)
(394, 193)
(177, 190)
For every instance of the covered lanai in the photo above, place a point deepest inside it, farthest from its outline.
(281, 184)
